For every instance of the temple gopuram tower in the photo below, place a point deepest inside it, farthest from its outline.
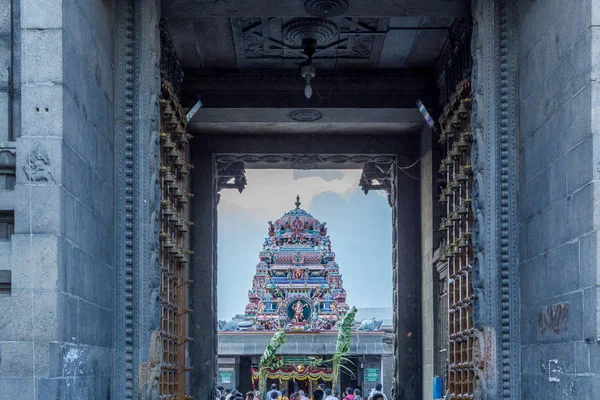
(297, 285)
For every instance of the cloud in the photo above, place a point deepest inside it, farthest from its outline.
(326, 175)
(274, 191)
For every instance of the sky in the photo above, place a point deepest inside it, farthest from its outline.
(359, 226)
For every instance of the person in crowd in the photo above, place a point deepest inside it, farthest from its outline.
(349, 394)
(336, 394)
(274, 395)
(329, 395)
(318, 394)
(218, 394)
(357, 394)
(227, 394)
(322, 387)
(283, 395)
(378, 396)
(378, 389)
(250, 395)
(273, 390)
(257, 395)
(220, 388)
(239, 395)
(302, 395)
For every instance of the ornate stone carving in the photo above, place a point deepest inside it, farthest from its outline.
(231, 175)
(265, 41)
(305, 115)
(126, 160)
(149, 377)
(37, 166)
(298, 29)
(309, 160)
(326, 8)
(495, 308)
(377, 176)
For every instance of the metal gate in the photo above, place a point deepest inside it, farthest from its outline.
(456, 136)
(174, 254)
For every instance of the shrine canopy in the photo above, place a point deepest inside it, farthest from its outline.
(297, 285)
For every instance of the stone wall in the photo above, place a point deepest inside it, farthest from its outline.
(56, 328)
(428, 172)
(86, 272)
(558, 197)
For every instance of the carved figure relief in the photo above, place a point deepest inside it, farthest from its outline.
(37, 166)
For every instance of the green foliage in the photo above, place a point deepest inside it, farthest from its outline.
(269, 359)
(342, 346)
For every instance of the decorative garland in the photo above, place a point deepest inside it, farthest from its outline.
(287, 374)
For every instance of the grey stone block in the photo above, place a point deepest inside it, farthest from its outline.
(45, 315)
(532, 276)
(73, 171)
(573, 122)
(4, 112)
(68, 318)
(584, 214)
(534, 21)
(534, 196)
(38, 211)
(539, 152)
(580, 165)
(562, 270)
(89, 323)
(582, 357)
(573, 20)
(68, 218)
(591, 323)
(581, 61)
(34, 261)
(16, 322)
(46, 15)
(43, 106)
(5, 18)
(49, 389)
(5, 58)
(16, 388)
(16, 359)
(589, 259)
(43, 51)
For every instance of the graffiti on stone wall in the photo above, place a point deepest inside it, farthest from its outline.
(553, 320)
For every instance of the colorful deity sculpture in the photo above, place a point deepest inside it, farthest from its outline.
(297, 284)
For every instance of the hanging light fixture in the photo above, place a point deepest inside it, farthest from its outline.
(307, 71)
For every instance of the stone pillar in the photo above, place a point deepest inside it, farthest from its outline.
(57, 326)
(428, 173)
(203, 292)
(407, 277)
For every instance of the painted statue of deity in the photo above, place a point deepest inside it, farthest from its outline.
(299, 311)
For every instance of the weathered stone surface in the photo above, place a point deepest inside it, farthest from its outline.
(43, 51)
(34, 261)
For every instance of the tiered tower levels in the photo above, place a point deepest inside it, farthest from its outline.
(297, 284)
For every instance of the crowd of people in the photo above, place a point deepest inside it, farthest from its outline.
(322, 393)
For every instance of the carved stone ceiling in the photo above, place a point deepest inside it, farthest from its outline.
(228, 34)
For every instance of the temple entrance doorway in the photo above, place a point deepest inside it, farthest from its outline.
(300, 251)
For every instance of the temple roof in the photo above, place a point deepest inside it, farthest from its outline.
(297, 284)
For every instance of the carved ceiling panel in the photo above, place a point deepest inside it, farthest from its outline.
(276, 42)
